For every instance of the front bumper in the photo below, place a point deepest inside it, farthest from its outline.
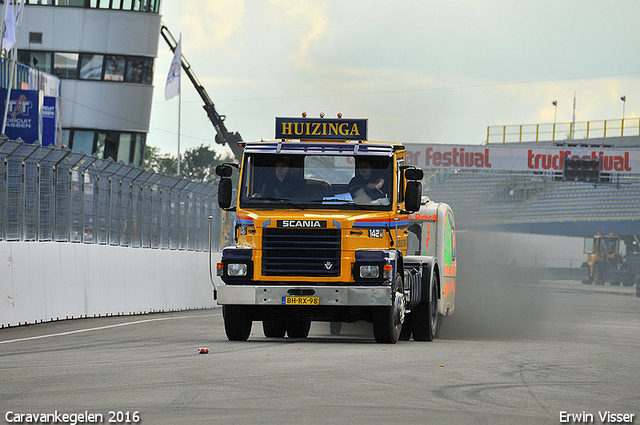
(329, 295)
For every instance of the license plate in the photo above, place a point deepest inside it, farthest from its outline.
(301, 300)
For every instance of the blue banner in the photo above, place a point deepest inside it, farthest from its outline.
(51, 122)
(22, 114)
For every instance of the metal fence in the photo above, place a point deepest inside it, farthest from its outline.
(563, 131)
(49, 194)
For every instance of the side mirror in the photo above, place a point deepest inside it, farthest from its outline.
(413, 174)
(413, 196)
(224, 170)
(225, 192)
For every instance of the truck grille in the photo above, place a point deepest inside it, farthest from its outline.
(301, 252)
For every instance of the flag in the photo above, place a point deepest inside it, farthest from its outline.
(173, 79)
(10, 26)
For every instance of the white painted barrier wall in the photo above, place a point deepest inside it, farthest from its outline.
(43, 281)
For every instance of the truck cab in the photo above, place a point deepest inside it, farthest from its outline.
(321, 234)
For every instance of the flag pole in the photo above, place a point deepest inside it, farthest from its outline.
(12, 54)
(172, 88)
(6, 101)
(179, 104)
(4, 24)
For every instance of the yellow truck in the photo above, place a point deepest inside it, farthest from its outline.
(332, 227)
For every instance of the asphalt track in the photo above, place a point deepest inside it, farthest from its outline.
(511, 354)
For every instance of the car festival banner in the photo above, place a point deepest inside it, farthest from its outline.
(518, 158)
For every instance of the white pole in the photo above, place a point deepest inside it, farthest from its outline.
(6, 101)
(573, 125)
(179, 103)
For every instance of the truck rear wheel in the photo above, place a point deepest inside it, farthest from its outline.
(237, 322)
(426, 321)
(273, 328)
(298, 329)
(387, 321)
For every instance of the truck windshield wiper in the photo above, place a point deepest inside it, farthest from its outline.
(281, 200)
(341, 202)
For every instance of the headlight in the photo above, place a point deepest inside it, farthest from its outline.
(237, 269)
(369, 272)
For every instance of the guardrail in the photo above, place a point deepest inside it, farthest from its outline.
(49, 194)
(563, 131)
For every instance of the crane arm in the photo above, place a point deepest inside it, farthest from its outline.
(223, 136)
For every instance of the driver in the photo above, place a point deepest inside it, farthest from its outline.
(282, 184)
(367, 179)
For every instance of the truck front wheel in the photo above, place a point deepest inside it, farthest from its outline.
(237, 322)
(387, 321)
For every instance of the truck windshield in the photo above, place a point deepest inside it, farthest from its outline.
(317, 181)
(608, 245)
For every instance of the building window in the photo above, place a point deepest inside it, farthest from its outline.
(35, 37)
(90, 66)
(38, 60)
(83, 141)
(124, 147)
(65, 65)
(138, 149)
(107, 146)
(127, 147)
(139, 70)
(135, 5)
(114, 70)
(77, 3)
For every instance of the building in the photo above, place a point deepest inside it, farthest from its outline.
(103, 51)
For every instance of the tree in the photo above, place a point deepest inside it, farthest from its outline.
(198, 163)
(160, 163)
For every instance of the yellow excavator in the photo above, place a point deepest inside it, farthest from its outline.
(613, 258)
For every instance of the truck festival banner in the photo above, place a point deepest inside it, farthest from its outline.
(517, 158)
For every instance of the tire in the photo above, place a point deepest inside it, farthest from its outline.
(298, 329)
(335, 328)
(237, 322)
(273, 328)
(407, 328)
(426, 320)
(598, 275)
(388, 320)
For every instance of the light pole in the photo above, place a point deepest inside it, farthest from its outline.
(624, 107)
(555, 114)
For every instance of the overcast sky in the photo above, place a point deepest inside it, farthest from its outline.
(421, 71)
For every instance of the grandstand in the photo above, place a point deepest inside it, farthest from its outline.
(540, 202)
